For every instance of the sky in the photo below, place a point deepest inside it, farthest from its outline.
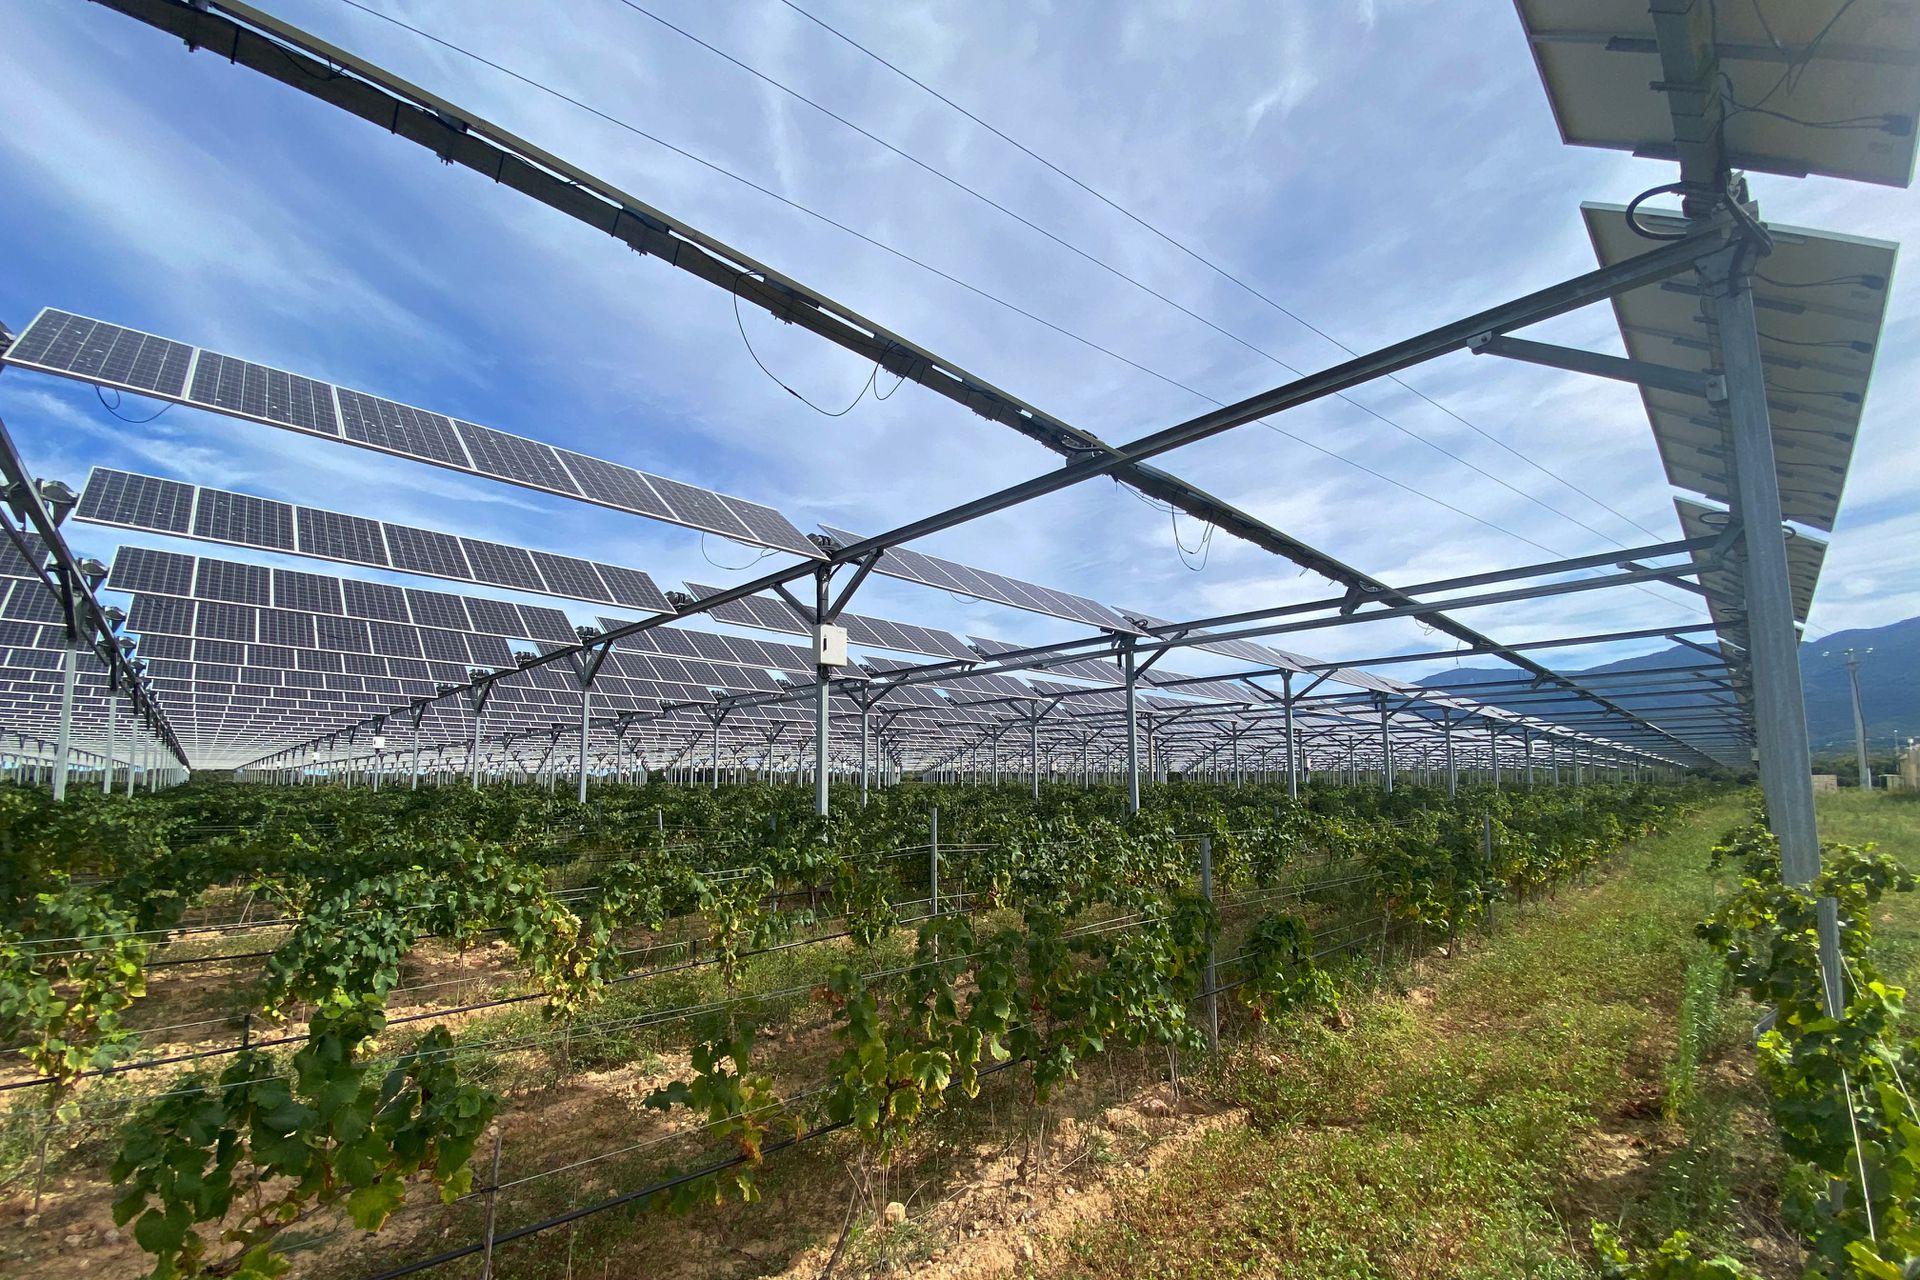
(1376, 167)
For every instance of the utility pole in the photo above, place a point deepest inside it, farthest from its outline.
(1852, 657)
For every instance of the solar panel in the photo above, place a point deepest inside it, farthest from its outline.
(701, 508)
(392, 639)
(281, 627)
(1821, 300)
(445, 646)
(247, 521)
(141, 569)
(515, 458)
(614, 484)
(426, 551)
(307, 592)
(502, 565)
(496, 617)
(334, 536)
(61, 342)
(340, 633)
(232, 581)
(570, 577)
(770, 528)
(217, 620)
(142, 502)
(256, 391)
(916, 566)
(219, 651)
(547, 624)
(634, 589)
(375, 600)
(399, 428)
(437, 609)
(33, 602)
(14, 565)
(1811, 86)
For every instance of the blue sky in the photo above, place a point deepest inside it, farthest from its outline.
(1376, 167)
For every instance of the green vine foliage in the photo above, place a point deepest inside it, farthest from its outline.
(737, 1105)
(1678, 1257)
(69, 967)
(1837, 1083)
(1280, 969)
(254, 1153)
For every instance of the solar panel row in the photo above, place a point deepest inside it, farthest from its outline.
(155, 575)
(948, 575)
(126, 500)
(74, 346)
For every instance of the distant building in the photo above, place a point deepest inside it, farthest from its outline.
(1826, 782)
(1909, 774)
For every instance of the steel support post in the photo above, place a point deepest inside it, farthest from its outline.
(1128, 662)
(822, 694)
(113, 725)
(1779, 708)
(714, 768)
(1033, 749)
(70, 673)
(1453, 770)
(1526, 746)
(1211, 977)
(1493, 752)
(1386, 748)
(586, 710)
(866, 733)
(1293, 750)
(473, 750)
(413, 752)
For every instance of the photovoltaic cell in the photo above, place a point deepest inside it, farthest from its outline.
(61, 342)
(427, 551)
(255, 391)
(375, 600)
(502, 565)
(163, 614)
(340, 537)
(142, 569)
(144, 502)
(515, 458)
(239, 518)
(570, 577)
(232, 581)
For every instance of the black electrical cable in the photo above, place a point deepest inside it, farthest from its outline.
(1633, 210)
(114, 408)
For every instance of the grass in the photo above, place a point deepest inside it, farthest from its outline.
(1470, 1125)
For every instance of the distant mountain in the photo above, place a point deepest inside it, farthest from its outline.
(1889, 683)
